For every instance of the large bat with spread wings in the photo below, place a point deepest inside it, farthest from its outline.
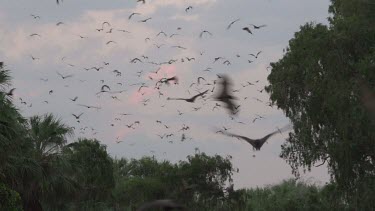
(258, 143)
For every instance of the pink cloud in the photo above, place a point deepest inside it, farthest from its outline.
(29, 94)
(34, 93)
(137, 97)
(121, 133)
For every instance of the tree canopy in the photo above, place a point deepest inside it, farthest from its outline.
(319, 84)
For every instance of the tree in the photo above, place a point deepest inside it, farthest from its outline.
(291, 195)
(47, 180)
(92, 169)
(207, 176)
(10, 127)
(13, 145)
(9, 199)
(11, 123)
(319, 84)
(199, 182)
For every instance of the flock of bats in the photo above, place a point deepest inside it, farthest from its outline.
(225, 94)
(221, 87)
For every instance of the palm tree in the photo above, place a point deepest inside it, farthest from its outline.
(30, 161)
(10, 127)
(47, 136)
(13, 145)
(8, 120)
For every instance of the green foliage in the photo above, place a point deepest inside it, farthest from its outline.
(208, 175)
(11, 138)
(135, 191)
(292, 195)
(48, 134)
(4, 78)
(46, 179)
(12, 131)
(319, 85)
(9, 199)
(198, 182)
(92, 169)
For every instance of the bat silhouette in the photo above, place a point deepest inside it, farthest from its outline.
(228, 27)
(190, 100)
(200, 78)
(123, 30)
(145, 20)
(162, 33)
(178, 46)
(201, 34)
(35, 16)
(258, 27)
(134, 13)
(255, 55)
(258, 143)
(135, 60)
(188, 8)
(10, 93)
(88, 106)
(111, 41)
(64, 77)
(172, 35)
(35, 34)
(74, 99)
(105, 22)
(97, 68)
(103, 88)
(247, 29)
(77, 116)
(224, 95)
(218, 58)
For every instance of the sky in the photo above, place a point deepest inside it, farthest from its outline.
(57, 64)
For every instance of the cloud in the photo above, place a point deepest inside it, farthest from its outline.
(154, 5)
(185, 17)
(137, 96)
(122, 133)
(65, 39)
